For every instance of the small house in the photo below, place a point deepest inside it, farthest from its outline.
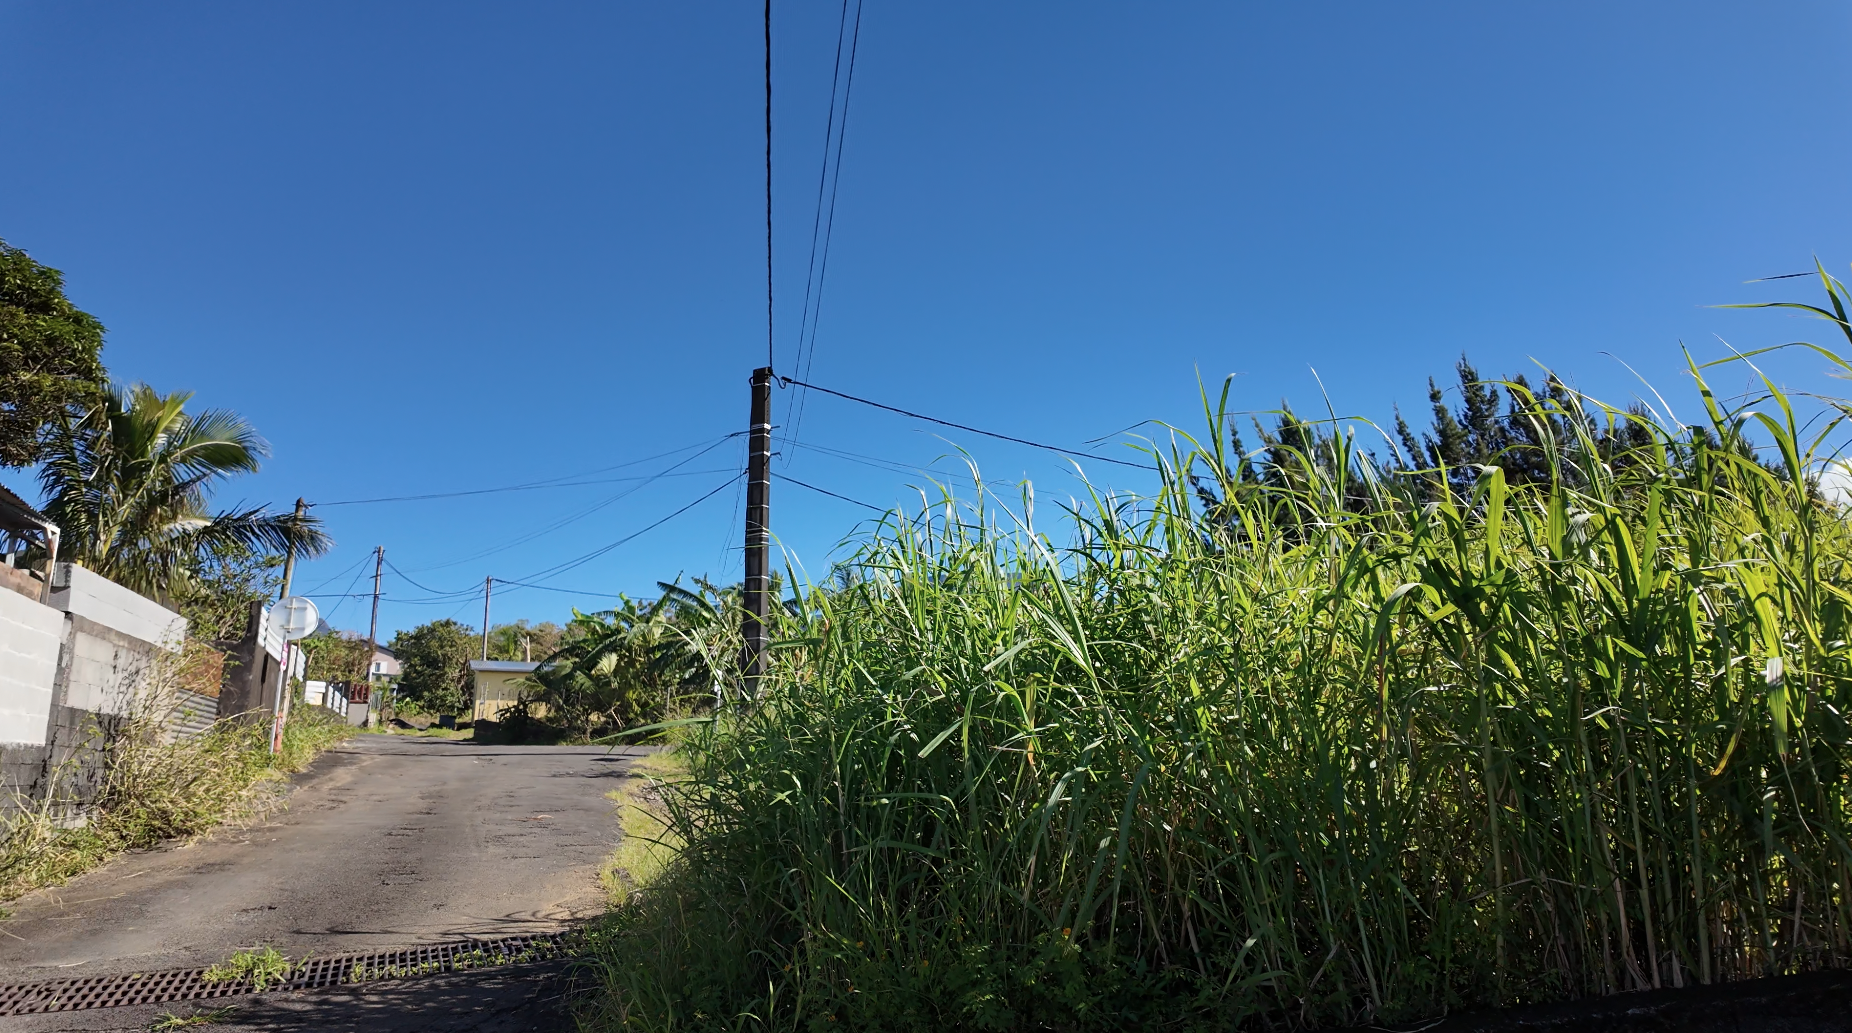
(498, 685)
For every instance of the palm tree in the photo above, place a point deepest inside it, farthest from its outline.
(128, 480)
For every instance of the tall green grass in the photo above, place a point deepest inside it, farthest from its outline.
(1358, 749)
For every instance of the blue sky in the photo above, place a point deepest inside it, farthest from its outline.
(436, 247)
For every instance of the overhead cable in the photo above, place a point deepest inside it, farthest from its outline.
(831, 494)
(600, 551)
(564, 591)
(589, 510)
(825, 218)
(563, 481)
(788, 381)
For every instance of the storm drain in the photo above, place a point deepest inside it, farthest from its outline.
(336, 970)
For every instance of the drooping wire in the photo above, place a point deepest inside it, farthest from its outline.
(831, 494)
(829, 171)
(579, 561)
(563, 591)
(349, 594)
(427, 588)
(562, 481)
(595, 507)
(960, 426)
(331, 580)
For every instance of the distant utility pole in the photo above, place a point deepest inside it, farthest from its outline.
(379, 561)
(487, 583)
(758, 530)
(289, 557)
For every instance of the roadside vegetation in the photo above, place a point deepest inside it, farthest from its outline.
(155, 790)
(1304, 739)
(127, 474)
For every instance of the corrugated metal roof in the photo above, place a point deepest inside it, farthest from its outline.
(15, 515)
(503, 666)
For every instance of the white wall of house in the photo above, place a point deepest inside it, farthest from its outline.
(29, 636)
(88, 594)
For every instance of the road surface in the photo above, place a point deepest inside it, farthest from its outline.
(387, 841)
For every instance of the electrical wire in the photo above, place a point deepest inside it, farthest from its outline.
(345, 596)
(832, 494)
(830, 172)
(329, 581)
(580, 561)
(549, 482)
(514, 487)
(960, 426)
(768, 184)
(566, 591)
(427, 588)
(588, 511)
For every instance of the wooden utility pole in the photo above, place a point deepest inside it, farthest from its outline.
(379, 561)
(758, 530)
(281, 708)
(487, 583)
(289, 557)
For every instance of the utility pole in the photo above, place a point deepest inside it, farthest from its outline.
(281, 709)
(379, 561)
(758, 530)
(487, 583)
(289, 557)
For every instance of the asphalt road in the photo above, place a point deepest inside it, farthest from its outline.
(387, 841)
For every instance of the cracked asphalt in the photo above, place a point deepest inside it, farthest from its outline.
(386, 841)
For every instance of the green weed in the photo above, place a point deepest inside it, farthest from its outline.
(262, 965)
(168, 1020)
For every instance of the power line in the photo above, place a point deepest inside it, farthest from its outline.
(579, 561)
(562, 481)
(329, 581)
(565, 591)
(830, 172)
(427, 588)
(589, 510)
(513, 487)
(832, 494)
(876, 462)
(974, 430)
(768, 183)
(329, 616)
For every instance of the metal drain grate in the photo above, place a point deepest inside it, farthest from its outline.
(336, 970)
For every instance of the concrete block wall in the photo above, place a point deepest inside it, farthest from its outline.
(103, 668)
(79, 761)
(85, 593)
(30, 638)
(58, 720)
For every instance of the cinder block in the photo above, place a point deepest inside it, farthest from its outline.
(29, 637)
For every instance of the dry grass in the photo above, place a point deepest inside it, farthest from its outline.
(157, 790)
(649, 841)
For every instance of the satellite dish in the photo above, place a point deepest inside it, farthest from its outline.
(296, 617)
